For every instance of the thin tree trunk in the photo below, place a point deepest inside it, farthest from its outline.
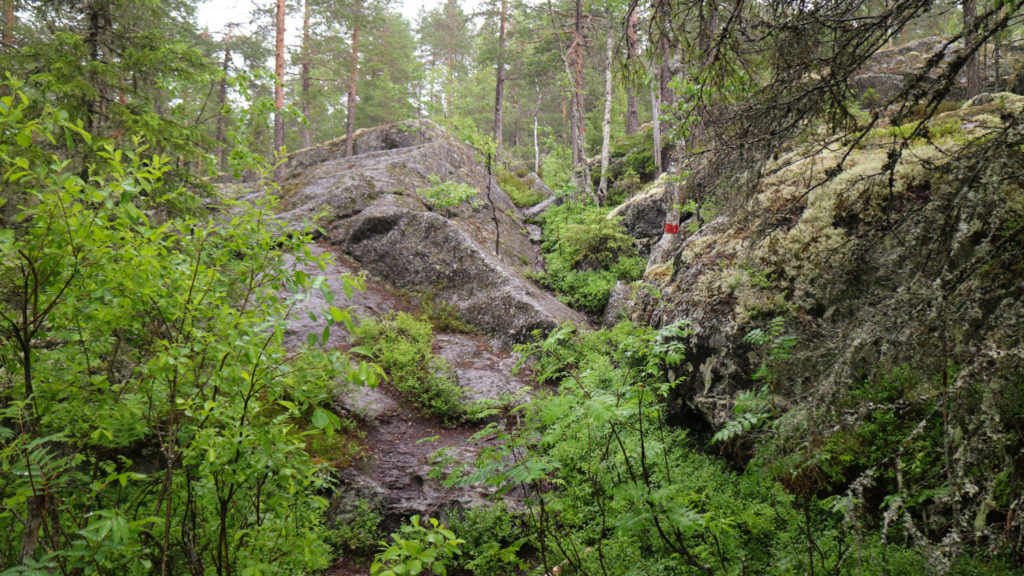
(970, 8)
(350, 120)
(536, 144)
(656, 113)
(95, 108)
(606, 124)
(536, 147)
(222, 99)
(307, 139)
(666, 95)
(499, 89)
(279, 89)
(632, 112)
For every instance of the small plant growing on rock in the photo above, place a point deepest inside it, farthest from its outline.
(402, 345)
(447, 194)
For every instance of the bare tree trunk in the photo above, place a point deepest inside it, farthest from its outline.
(279, 89)
(970, 8)
(581, 171)
(656, 113)
(350, 121)
(307, 139)
(666, 95)
(222, 100)
(632, 113)
(606, 124)
(536, 144)
(8, 28)
(499, 89)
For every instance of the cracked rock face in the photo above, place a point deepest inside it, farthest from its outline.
(371, 210)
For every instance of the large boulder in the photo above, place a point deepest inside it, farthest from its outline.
(869, 274)
(470, 256)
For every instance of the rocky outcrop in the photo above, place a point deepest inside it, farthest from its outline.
(870, 275)
(887, 71)
(370, 208)
(903, 292)
(644, 216)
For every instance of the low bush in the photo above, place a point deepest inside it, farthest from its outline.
(522, 195)
(586, 254)
(403, 346)
(359, 535)
(493, 538)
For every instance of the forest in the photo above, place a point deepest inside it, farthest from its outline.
(512, 287)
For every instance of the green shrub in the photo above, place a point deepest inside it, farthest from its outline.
(522, 195)
(493, 539)
(446, 194)
(443, 316)
(556, 168)
(403, 347)
(359, 534)
(417, 549)
(586, 254)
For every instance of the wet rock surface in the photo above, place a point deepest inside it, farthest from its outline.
(371, 211)
(401, 446)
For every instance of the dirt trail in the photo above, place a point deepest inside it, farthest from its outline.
(400, 441)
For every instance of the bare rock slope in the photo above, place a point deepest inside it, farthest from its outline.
(471, 256)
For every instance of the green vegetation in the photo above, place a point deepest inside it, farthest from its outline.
(151, 417)
(443, 316)
(522, 195)
(447, 194)
(614, 489)
(403, 347)
(359, 533)
(493, 538)
(416, 548)
(586, 254)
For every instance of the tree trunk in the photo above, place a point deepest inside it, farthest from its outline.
(350, 108)
(632, 112)
(8, 30)
(666, 95)
(536, 144)
(656, 113)
(98, 19)
(222, 100)
(279, 90)
(970, 8)
(499, 88)
(307, 139)
(606, 124)
(581, 171)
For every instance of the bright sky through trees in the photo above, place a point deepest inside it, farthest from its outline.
(216, 14)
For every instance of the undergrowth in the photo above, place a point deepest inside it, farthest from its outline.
(586, 254)
(522, 195)
(403, 347)
(612, 489)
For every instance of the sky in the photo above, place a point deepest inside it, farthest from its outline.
(215, 14)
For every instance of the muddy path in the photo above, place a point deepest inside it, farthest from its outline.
(401, 444)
